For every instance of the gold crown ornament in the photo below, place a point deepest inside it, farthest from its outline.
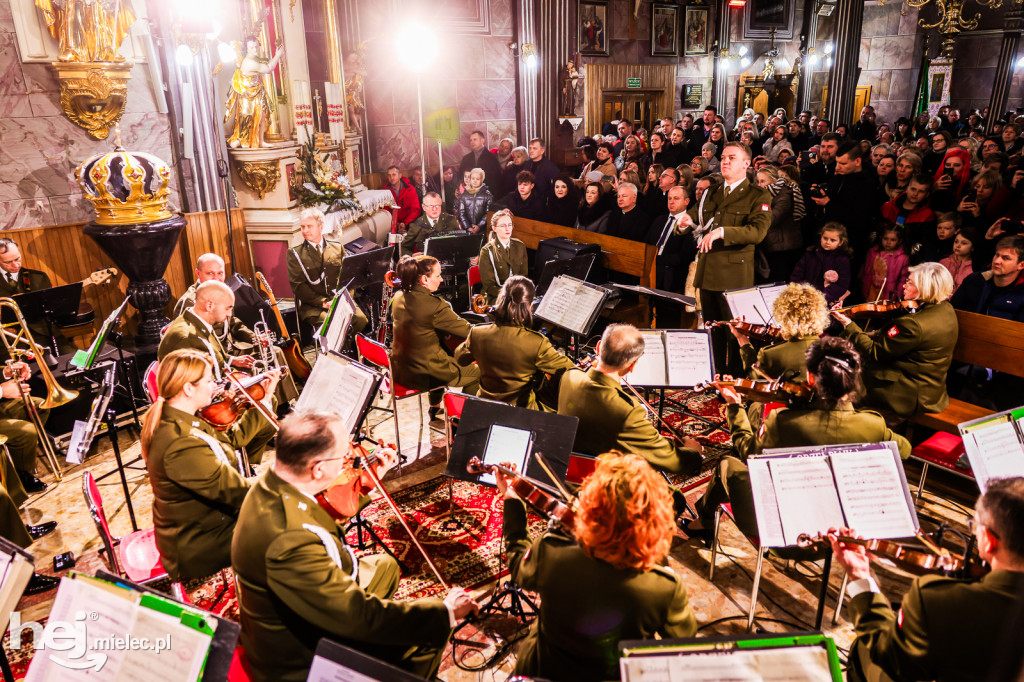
(125, 187)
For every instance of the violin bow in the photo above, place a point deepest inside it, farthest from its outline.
(554, 479)
(260, 407)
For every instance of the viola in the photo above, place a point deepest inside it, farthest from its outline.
(870, 311)
(929, 558)
(765, 333)
(541, 501)
(229, 404)
(763, 391)
(341, 498)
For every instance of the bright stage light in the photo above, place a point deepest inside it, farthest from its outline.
(418, 43)
(183, 55)
(226, 53)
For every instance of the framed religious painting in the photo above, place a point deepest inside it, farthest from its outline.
(664, 30)
(767, 18)
(592, 21)
(695, 31)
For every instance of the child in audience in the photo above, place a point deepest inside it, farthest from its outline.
(886, 267)
(941, 245)
(960, 262)
(826, 267)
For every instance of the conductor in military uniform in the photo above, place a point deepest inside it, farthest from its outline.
(946, 629)
(501, 257)
(609, 584)
(298, 581)
(611, 418)
(314, 269)
(433, 222)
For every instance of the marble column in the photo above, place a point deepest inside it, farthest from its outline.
(842, 80)
(1014, 19)
(552, 30)
(719, 81)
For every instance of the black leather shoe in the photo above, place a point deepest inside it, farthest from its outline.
(42, 529)
(32, 484)
(702, 534)
(41, 583)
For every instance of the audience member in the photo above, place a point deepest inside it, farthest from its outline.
(910, 210)
(480, 157)
(592, 214)
(405, 196)
(886, 267)
(675, 251)
(563, 202)
(517, 163)
(960, 263)
(826, 267)
(853, 198)
(472, 205)
(526, 201)
(629, 221)
(782, 244)
(544, 169)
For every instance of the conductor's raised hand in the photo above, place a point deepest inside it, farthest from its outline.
(710, 238)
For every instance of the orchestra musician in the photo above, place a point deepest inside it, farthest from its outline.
(16, 425)
(314, 269)
(608, 584)
(946, 628)
(14, 529)
(501, 257)
(431, 223)
(193, 469)
(15, 279)
(418, 360)
(298, 581)
(833, 370)
(610, 418)
(907, 362)
(194, 329)
(509, 353)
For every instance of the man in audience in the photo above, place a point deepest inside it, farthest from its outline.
(865, 128)
(603, 163)
(504, 150)
(796, 136)
(656, 198)
(702, 128)
(629, 221)
(1012, 143)
(544, 170)
(625, 129)
(675, 251)
(479, 157)
(821, 128)
(911, 211)
(405, 196)
(953, 124)
(853, 198)
(999, 291)
(686, 125)
(756, 147)
(525, 201)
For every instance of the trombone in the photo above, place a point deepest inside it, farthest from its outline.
(20, 344)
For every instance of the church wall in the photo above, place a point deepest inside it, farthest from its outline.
(890, 59)
(40, 148)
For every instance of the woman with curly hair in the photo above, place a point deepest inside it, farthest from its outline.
(607, 585)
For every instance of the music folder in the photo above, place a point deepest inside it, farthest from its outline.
(336, 663)
(754, 305)
(572, 304)
(678, 358)
(995, 445)
(341, 386)
(333, 332)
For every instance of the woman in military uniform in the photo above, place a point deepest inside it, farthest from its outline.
(501, 257)
(834, 371)
(418, 317)
(509, 353)
(194, 470)
(607, 585)
(907, 362)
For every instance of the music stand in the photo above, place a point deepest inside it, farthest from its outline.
(366, 269)
(52, 306)
(577, 266)
(456, 249)
(333, 333)
(336, 662)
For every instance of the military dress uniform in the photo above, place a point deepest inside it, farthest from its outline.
(252, 431)
(786, 360)
(12, 496)
(420, 230)
(509, 358)
(610, 420)
(906, 363)
(946, 630)
(314, 277)
(298, 582)
(197, 492)
(587, 606)
(22, 437)
(785, 428)
(417, 359)
(32, 280)
(497, 264)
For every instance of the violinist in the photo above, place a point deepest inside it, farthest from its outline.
(417, 359)
(833, 371)
(946, 629)
(608, 584)
(193, 469)
(501, 257)
(906, 363)
(194, 329)
(298, 581)
(509, 353)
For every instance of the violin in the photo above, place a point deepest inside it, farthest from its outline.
(541, 501)
(764, 333)
(229, 404)
(930, 558)
(764, 391)
(341, 498)
(870, 311)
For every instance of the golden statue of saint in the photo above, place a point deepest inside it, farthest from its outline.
(88, 30)
(248, 101)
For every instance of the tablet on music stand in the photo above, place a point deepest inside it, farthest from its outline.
(577, 266)
(84, 359)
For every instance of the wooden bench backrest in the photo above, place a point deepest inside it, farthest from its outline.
(990, 342)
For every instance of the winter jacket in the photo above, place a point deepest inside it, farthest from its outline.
(888, 268)
(960, 270)
(816, 262)
(978, 294)
(471, 210)
(408, 201)
(784, 233)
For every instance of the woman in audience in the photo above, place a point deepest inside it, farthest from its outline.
(708, 152)
(843, 131)
(782, 244)
(904, 130)
(933, 159)
(686, 178)
(592, 214)
(973, 148)
(718, 137)
(885, 168)
(908, 164)
(518, 159)
(700, 167)
(991, 145)
(632, 150)
(563, 203)
(992, 201)
(777, 142)
(630, 176)
(653, 176)
(472, 205)
(660, 153)
(952, 180)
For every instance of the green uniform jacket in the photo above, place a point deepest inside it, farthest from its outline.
(907, 361)
(12, 496)
(610, 420)
(509, 358)
(497, 264)
(586, 605)
(420, 230)
(314, 276)
(188, 331)
(417, 359)
(27, 280)
(292, 593)
(813, 425)
(745, 215)
(776, 360)
(239, 339)
(948, 629)
(197, 492)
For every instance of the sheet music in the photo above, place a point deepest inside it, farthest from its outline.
(995, 451)
(651, 368)
(748, 304)
(768, 295)
(324, 670)
(807, 496)
(570, 304)
(873, 493)
(337, 386)
(787, 664)
(183, 660)
(339, 325)
(766, 506)
(688, 356)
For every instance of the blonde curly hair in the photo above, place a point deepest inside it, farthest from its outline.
(800, 310)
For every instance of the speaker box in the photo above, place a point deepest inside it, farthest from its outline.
(360, 245)
(563, 247)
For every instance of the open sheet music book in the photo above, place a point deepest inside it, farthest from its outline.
(674, 357)
(16, 568)
(340, 386)
(572, 304)
(331, 334)
(808, 490)
(995, 445)
(754, 304)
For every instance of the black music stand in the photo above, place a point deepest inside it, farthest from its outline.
(336, 662)
(455, 251)
(577, 266)
(366, 272)
(53, 306)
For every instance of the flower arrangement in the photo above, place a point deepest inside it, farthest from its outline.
(321, 184)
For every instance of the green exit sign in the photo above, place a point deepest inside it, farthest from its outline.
(634, 82)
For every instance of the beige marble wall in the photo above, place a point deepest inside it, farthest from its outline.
(40, 148)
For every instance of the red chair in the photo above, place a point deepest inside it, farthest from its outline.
(149, 381)
(473, 277)
(943, 450)
(137, 557)
(239, 670)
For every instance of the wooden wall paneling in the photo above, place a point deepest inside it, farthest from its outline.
(602, 77)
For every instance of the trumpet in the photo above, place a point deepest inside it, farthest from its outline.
(20, 344)
(266, 358)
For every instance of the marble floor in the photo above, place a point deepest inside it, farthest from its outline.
(788, 592)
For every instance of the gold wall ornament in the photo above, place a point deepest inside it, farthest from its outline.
(126, 187)
(93, 95)
(260, 176)
(951, 19)
(88, 31)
